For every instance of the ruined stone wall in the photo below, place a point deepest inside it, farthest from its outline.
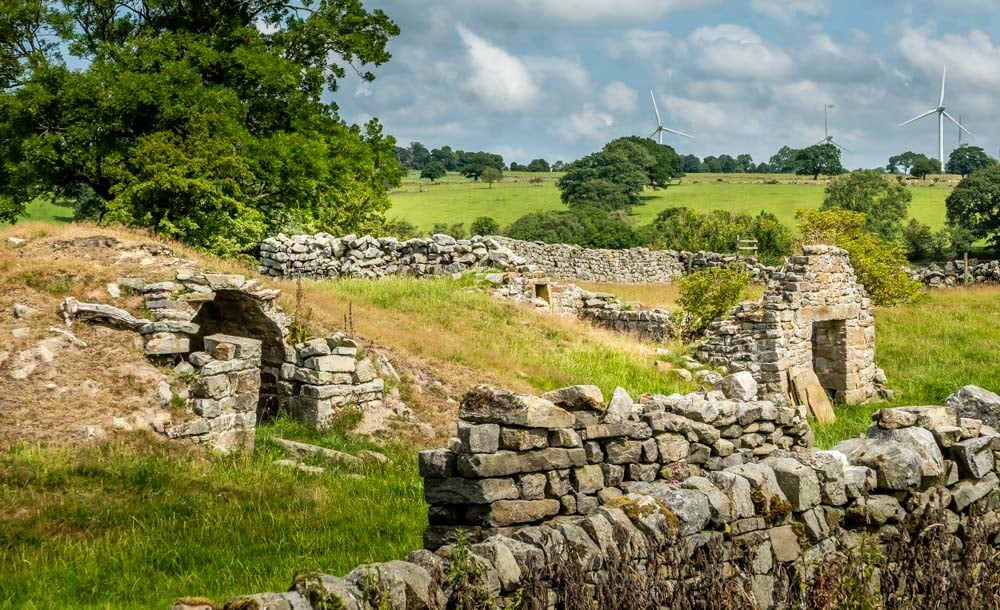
(916, 503)
(200, 320)
(813, 316)
(325, 256)
(598, 308)
(953, 273)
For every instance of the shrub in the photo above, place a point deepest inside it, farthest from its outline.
(708, 294)
(879, 265)
(401, 229)
(974, 205)
(718, 231)
(456, 230)
(484, 225)
(587, 227)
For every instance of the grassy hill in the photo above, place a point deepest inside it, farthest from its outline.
(133, 521)
(459, 200)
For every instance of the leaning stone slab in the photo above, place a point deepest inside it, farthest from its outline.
(503, 463)
(331, 364)
(485, 404)
(331, 455)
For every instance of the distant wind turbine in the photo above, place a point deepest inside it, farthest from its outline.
(659, 124)
(828, 139)
(942, 114)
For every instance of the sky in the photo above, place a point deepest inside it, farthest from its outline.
(557, 79)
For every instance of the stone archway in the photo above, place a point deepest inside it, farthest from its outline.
(236, 313)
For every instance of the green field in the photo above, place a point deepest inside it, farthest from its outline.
(459, 200)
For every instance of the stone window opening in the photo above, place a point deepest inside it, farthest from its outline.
(829, 357)
(235, 313)
(542, 292)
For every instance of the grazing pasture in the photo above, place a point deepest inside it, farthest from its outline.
(456, 199)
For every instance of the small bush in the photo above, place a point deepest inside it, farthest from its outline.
(484, 225)
(718, 231)
(401, 229)
(708, 294)
(587, 227)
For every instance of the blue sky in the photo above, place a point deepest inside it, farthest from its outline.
(559, 78)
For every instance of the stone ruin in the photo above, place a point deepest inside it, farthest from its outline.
(814, 317)
(228, 336)
(567, 500)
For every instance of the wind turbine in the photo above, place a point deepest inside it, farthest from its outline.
(828, 139)
(659, 124)
(942, 114)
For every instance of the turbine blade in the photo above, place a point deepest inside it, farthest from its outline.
(653, 135)
(823, 141)
(675, 132)
(834, 142)
(944, 72)
(960, 126)
(659, 123)
(918, 117)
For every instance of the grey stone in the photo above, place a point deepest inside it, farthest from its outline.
(521, 439)
(876, 509)
(623, 451)
(785, 544)
(974, 457)
(577, 398)
(797, 481)
(499, 555)
(244, 346)
(691, 507)
(892, 419)
(163, 344)
(332, 364)
(564, 437)
(481, 438)
(619, 408)
(587, 479)
(485, 404)
(739, 386)
(737, 490)
(859, 480)
(436, 463)
(532, 486)
(967, 492)
(509, 512)
(920, 439)
(504, 463)
(465, 491)
(977, 403)
(719, 503)
(364, 371)
(898, 466)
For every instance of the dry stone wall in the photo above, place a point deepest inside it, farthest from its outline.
(953, 273)
(325, 256)
(913, 508)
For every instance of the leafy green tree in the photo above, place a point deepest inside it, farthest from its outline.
(203, 121)
(692, 164)
(559, 166)
(728, 165)
(783, 161)
(883, 202)
(974, 205)
(658, 161)
(490, 175)
(711, 164)
(434, 170)
(924, 165)
(484, 225)
(446, 157)
(583, 226)
(744, 163)
(708, 294)
(966, 159)
(539, 165)
(818, 159)
(419, 156)
(473, 164)
(879, 265)
(903, 161)
(608, 180)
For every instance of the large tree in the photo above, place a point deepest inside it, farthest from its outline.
(659, 161)
(924, 165)
(883, 202)
(903, 161)
(966, 159)
(818, 159)
(204, 121)
(974, 205)
(783, 161)
(609, 180)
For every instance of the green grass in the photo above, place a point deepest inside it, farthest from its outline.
(47, 210)
(138, 526)
(458, 200)
(929, 350)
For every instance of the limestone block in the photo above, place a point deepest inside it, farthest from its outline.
(332, 364)
(244, 346)
(577, 398)
(164, 344)
(436, 463)
(739, 386)
(974, 457)
(921, 440)
(898, 466)
(797, 481)
(466, 491)
(509, 512)
(484, 404)
(503, 463)
(481, 438)
(974, 402)
(522, 439)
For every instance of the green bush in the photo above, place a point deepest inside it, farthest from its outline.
(708, 294)
(718, 231)
(884, 203)
(456, 230)
(587, 227)
(879, 265)
(484, 225)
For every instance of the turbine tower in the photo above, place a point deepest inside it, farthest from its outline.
(659, 124)
(828, 139)
(942, 115)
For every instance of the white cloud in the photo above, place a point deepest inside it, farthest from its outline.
(786, 10)
(701, 115)
(582, 12)
(619, 97)
(644, 45)
(736, 52)
(972, 58)
(568, 71)
(588, 124)
(497, 78)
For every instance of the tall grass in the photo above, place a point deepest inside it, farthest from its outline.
(138, 525)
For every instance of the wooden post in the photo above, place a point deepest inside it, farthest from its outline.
(966, 277)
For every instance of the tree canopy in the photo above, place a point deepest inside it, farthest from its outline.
(966, 159)
(975, 204)
(816, 160)
(924, 165)
(883, 202)
(203, 121)
(609, 180)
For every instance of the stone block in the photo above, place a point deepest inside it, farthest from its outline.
(564, 437)
(797, 481)
(469, 491)
(436, 463)
(532, 486)
(244, 347)
(479, 438)
(165, 344)
(523, 439)
(739, 386)
(212, 386)
(672, 447)
(485, 404)
(510, 512)
(974, 457)
(364, 371)
(898, 466)
(784, 544)
(623, 451)
(332, 364)
(920, 439)
(503, 463)
(577, 398)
